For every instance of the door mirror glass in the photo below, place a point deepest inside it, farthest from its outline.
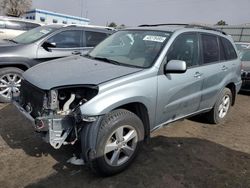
(175, 66)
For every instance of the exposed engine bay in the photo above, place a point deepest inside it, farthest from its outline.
(56, 112)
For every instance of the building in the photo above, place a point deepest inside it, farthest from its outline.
(49, 17)
(240, 33)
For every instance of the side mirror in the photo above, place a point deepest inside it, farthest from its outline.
(47, 45)
(175, 66)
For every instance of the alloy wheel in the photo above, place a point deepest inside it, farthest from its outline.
(121, 145)
(9, 84)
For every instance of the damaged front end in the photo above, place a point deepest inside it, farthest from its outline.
(55, 113)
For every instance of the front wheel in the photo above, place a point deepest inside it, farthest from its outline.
(119, 139)
(221, 107)
(10, 82)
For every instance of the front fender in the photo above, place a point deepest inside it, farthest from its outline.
(14, 61)
(141, 91)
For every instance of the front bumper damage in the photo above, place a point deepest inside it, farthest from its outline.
(55, 129)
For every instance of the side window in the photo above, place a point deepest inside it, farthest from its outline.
(210, 48)
(185, 48)
(67, 39)
(228, 49)
(94, 38)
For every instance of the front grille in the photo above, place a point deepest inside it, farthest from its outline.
(31, 98)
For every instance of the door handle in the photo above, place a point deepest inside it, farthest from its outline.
(76, 53)
(198, 75)
(224, 68)
(1, 32)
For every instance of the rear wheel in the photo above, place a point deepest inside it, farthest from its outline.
(119, 139)
(221, 107)
(10, 82)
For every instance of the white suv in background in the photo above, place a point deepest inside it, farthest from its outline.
(12, 27)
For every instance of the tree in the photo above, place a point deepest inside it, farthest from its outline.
(122, 26)
(112, 24)
(221, 22)
(15, 8)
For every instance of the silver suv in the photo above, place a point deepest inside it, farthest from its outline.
(132, 83)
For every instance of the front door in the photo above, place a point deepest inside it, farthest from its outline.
(180, 94)
(65, 43)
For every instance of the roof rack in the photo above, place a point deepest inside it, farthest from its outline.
(205, 27)
(155, 25)
(186, 26)
(90, 26)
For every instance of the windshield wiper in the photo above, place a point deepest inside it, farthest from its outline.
(104, 59)
(11, 40)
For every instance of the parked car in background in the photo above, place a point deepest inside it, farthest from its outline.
(12, 27)
(132, 83)
(42, 44)
(242, 45)
(245, 75)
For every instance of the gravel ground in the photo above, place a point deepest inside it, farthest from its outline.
(187, 153)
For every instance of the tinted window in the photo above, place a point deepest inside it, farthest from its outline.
(94, 38)
(228, 49)
(185, 48)
(31, 25)
(210, 48)
(222, 51)
(67, 39)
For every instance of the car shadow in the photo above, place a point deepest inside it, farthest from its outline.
(244, 93)
(164, 162)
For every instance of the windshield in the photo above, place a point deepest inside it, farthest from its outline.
(132, 47)
(245, 55)
(33, 35)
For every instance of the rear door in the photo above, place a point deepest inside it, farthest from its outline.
(218, 63)
(180, 94)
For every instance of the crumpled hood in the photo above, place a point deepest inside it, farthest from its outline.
(246, 65)
(74, 70)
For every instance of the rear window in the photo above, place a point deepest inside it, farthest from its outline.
(228, 49)
(210, 48)
(18, 25)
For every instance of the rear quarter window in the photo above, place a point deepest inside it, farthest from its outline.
(228, 49)
(210, 48)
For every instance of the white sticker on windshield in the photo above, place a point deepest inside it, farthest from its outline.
(154, 38)
(44, 31)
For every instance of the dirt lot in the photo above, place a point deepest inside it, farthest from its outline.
(188, 153)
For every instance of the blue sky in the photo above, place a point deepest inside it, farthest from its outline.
(135, 12)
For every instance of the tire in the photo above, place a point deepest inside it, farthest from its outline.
(221, 108)
(12, 77)
(117, 125)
